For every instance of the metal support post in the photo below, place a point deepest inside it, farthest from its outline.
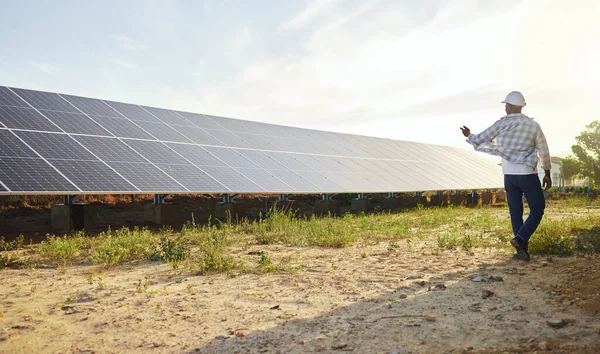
(392, 195)
(159, 198)
(69, 199)
(326, 196)
(418, 194)
(227, 198)
(283, 198)
(362, 196)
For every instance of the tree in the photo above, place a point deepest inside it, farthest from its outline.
(587, 151)
(571, 167)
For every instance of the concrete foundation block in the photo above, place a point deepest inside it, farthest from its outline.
(457, 199)
(438, 200)
(75, 217)
(391, 203)
(361, 205)
(325, 207)
(161, 214)
(231, 211)
(473, 200)
(501, 197)
(487, 198)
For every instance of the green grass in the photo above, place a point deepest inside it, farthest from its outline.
(567, 228)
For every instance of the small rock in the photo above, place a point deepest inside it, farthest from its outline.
(439, 287)
(339, 345)
(429, 318)
(518, 308)
(413, 277)
(320, 348)
(403, 296)
(486, 293)
(544, 264)
(276, 307)
(495, 278)
(221, 337)
(557, 323)
(420, 283)
(478, 279)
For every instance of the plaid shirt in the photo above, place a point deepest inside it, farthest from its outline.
(517, 139)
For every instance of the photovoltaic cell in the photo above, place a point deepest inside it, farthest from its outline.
(75, 123)
(7, 98)
(133, 112)
(294, 179)
(200, 120)
(196, 155)
(193, 178)
(230, 157)
(11, 146)
(45, 100)
(25, 118)
(122, 128)
(58, 146)
(197, 135)
(287, 160)
(232, 125)
(319, 180)
(92, 176)
(32, 175)
(168, 116)
(257, 141)
(109, 149)
(92, 106)
(233, 179)
(261, 159)
(147, 177)
(265, 180)
(229, 139)
(156, 152)
(163, 132)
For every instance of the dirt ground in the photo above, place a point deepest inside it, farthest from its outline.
(403, 297)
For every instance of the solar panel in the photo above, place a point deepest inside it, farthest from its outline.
(21, 175)
(45, 100)
(75, 123)
(25, 118)
(57, 143)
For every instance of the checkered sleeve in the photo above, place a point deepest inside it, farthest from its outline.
(542, 147)
(485, 136)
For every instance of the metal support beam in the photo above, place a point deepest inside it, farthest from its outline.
(283, 198)
(69, 199)
(326, 196)
(159, 198)
(227, 198)
(392, 195)
(362, 196)
(418, 194)
(439, 192)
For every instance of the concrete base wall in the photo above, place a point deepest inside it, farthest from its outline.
(473, 200)
(488, 198)
(391, 203)
(501, 197)
(75, 217)
(161, 214)
(231, 211)
(438, 200)
(361, 205)
(325, 207)
(457, 199)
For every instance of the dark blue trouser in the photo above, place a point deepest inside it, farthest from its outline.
(529, 185)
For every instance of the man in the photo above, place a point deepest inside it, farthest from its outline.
(519, 140)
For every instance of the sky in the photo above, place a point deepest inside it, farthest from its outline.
(403, 69)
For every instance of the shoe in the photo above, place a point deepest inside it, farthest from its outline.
(521, 253)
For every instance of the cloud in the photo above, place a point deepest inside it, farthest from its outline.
(131, 44)
(45, 67)
(314, 10)
(125, 64)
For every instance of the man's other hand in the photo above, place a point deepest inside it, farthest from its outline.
(547, 181)
(466, 131)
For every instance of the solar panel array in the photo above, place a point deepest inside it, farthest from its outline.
(61, 144)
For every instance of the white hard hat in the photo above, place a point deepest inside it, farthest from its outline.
(515, 98)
